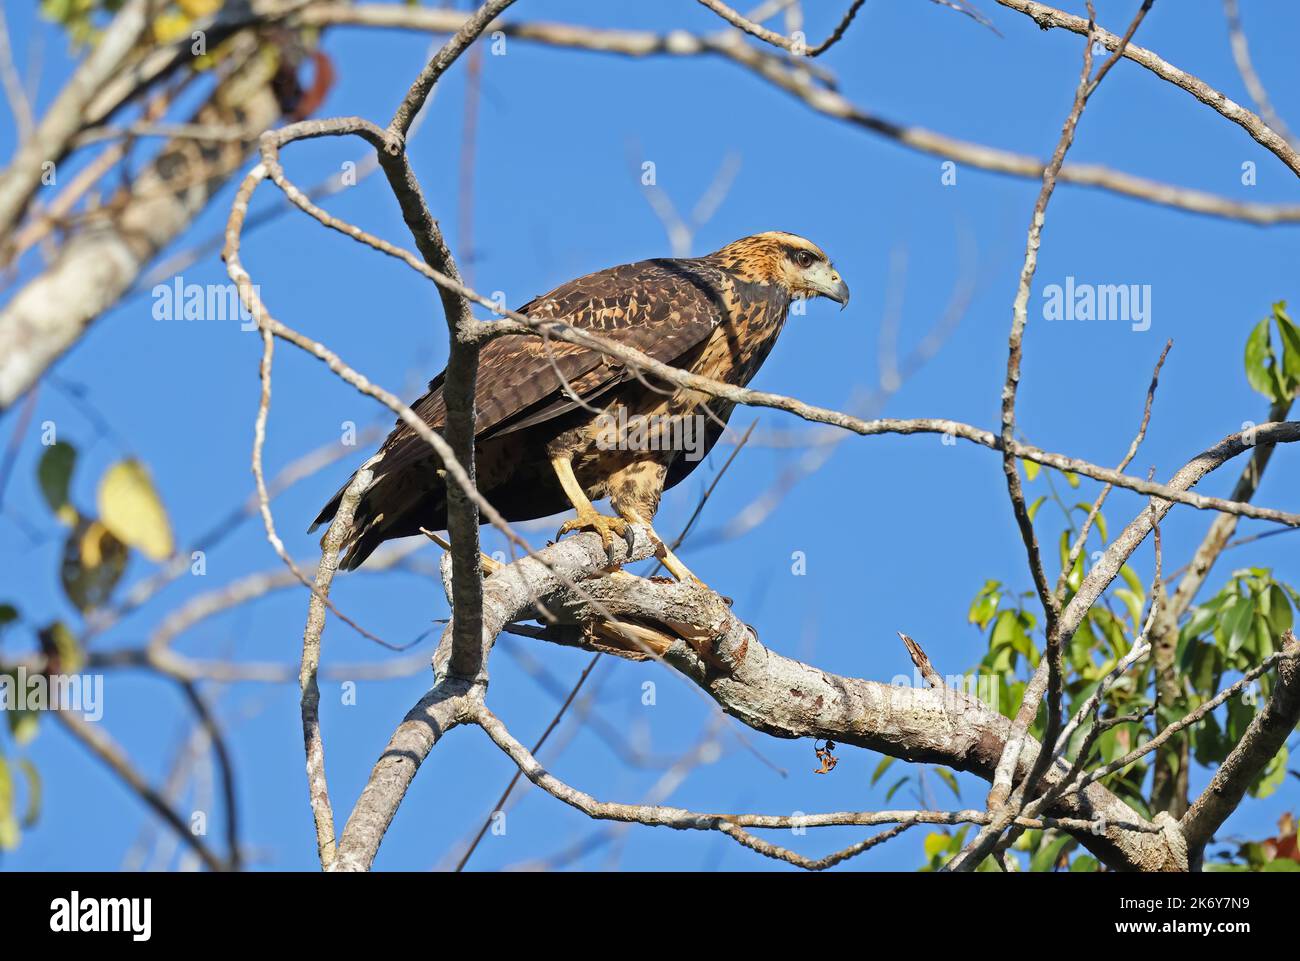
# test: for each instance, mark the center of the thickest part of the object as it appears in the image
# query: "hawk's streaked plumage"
(717, 316)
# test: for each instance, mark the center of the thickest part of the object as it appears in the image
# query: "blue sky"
(898, 532)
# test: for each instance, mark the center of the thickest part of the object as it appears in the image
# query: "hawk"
(559, 425)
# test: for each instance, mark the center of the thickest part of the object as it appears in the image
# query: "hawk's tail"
(389, 507)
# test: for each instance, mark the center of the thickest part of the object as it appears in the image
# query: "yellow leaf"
(937, 843)
(200, 8)
(171, 26)
(129, 507)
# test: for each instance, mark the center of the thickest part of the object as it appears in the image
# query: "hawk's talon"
(602, 524)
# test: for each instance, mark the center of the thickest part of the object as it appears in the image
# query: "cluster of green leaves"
(1225, 635)
(1276, 376)
(942, 846)
(1218, 639)
(1014, 642)
(1231, 633)
(1046, 851)
(129, 518)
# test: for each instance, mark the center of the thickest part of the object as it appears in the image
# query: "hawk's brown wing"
(662, 308)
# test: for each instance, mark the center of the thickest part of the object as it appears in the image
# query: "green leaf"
(1047, 855)
(1134, 605)
(949, 779)
(1281, 864)
(1208, 745)
(8, 615)
(1206, 664)
(1031, 468)
(1280, 618)
(54, 473)
(1236, 628)
(1075, 576)
(1290, 343)
(1009, 631)
(1262, 638)
(1240, 714)
(1100, 523)
(1033, 508)
(985, 604)
(1013, 692)
(1133, 581)
(881, 768)
(33, 792)
(1255, 854)
(1272, 777)
(1084, 863)
(1259, 360)
(1112, 631)
(893, 788)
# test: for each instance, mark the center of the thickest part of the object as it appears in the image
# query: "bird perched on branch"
(561, 425)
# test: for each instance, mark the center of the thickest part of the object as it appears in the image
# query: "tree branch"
(97, 740)
(1048, 17)
(1265, 736)
(799, 82)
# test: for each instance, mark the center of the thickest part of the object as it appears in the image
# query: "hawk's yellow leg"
(670, 560)
(588, 519)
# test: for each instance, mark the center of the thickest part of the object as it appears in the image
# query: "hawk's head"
(794, 262)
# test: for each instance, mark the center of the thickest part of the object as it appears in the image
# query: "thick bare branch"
(1048, 17)
(65, 117)
(97, 266)
(812, 90)
(766, 691)
(1265, 736)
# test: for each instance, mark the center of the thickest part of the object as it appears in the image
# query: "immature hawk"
(557, 424)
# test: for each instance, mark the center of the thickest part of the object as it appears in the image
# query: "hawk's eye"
(804, 258)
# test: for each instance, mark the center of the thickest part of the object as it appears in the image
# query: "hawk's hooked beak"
(838, 292)
(831, 285)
